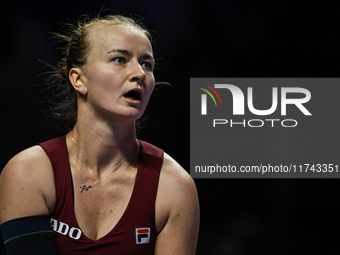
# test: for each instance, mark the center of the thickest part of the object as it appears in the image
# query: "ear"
(77, 80)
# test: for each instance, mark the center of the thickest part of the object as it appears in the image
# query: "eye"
(119, 60)
(147, 66)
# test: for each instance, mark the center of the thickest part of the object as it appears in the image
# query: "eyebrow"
(128, 53)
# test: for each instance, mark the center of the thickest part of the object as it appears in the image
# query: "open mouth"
(134, 95)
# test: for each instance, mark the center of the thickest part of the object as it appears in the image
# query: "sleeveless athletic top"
(135, 232)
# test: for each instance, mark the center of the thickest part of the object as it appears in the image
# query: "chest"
(99, 209)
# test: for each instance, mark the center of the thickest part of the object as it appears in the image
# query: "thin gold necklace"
(83, 185)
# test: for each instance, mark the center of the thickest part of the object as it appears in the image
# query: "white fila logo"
(142, 235)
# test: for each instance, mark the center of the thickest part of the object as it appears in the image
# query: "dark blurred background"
(236, 38)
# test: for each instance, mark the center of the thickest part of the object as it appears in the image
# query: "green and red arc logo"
(209, 93)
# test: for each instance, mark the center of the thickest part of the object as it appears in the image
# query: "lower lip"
(132, 101)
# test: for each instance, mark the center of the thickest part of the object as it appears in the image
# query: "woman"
(100, 189)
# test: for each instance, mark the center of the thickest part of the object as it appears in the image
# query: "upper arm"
(178, 201)
(26, 185)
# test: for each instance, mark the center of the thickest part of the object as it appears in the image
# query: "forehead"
(104, 37)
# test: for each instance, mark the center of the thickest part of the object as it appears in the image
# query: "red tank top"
(135, 232)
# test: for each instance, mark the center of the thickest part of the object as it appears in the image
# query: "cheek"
(149, 89)
(103, 82)
(151, 83)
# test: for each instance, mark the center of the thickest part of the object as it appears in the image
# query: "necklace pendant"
(83, 186)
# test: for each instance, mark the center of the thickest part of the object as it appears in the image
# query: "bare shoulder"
(174, 172)
(27, 166)
(177, 205)
(26, 185)
(176, 183)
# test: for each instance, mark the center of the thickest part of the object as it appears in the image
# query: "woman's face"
(118, 75)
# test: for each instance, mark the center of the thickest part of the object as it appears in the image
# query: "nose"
(137, 73)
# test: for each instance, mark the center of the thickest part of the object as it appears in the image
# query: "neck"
(101, 148)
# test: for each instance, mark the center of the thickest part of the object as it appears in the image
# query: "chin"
(134, 116)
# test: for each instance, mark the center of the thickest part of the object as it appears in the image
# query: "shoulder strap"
(56, 150)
